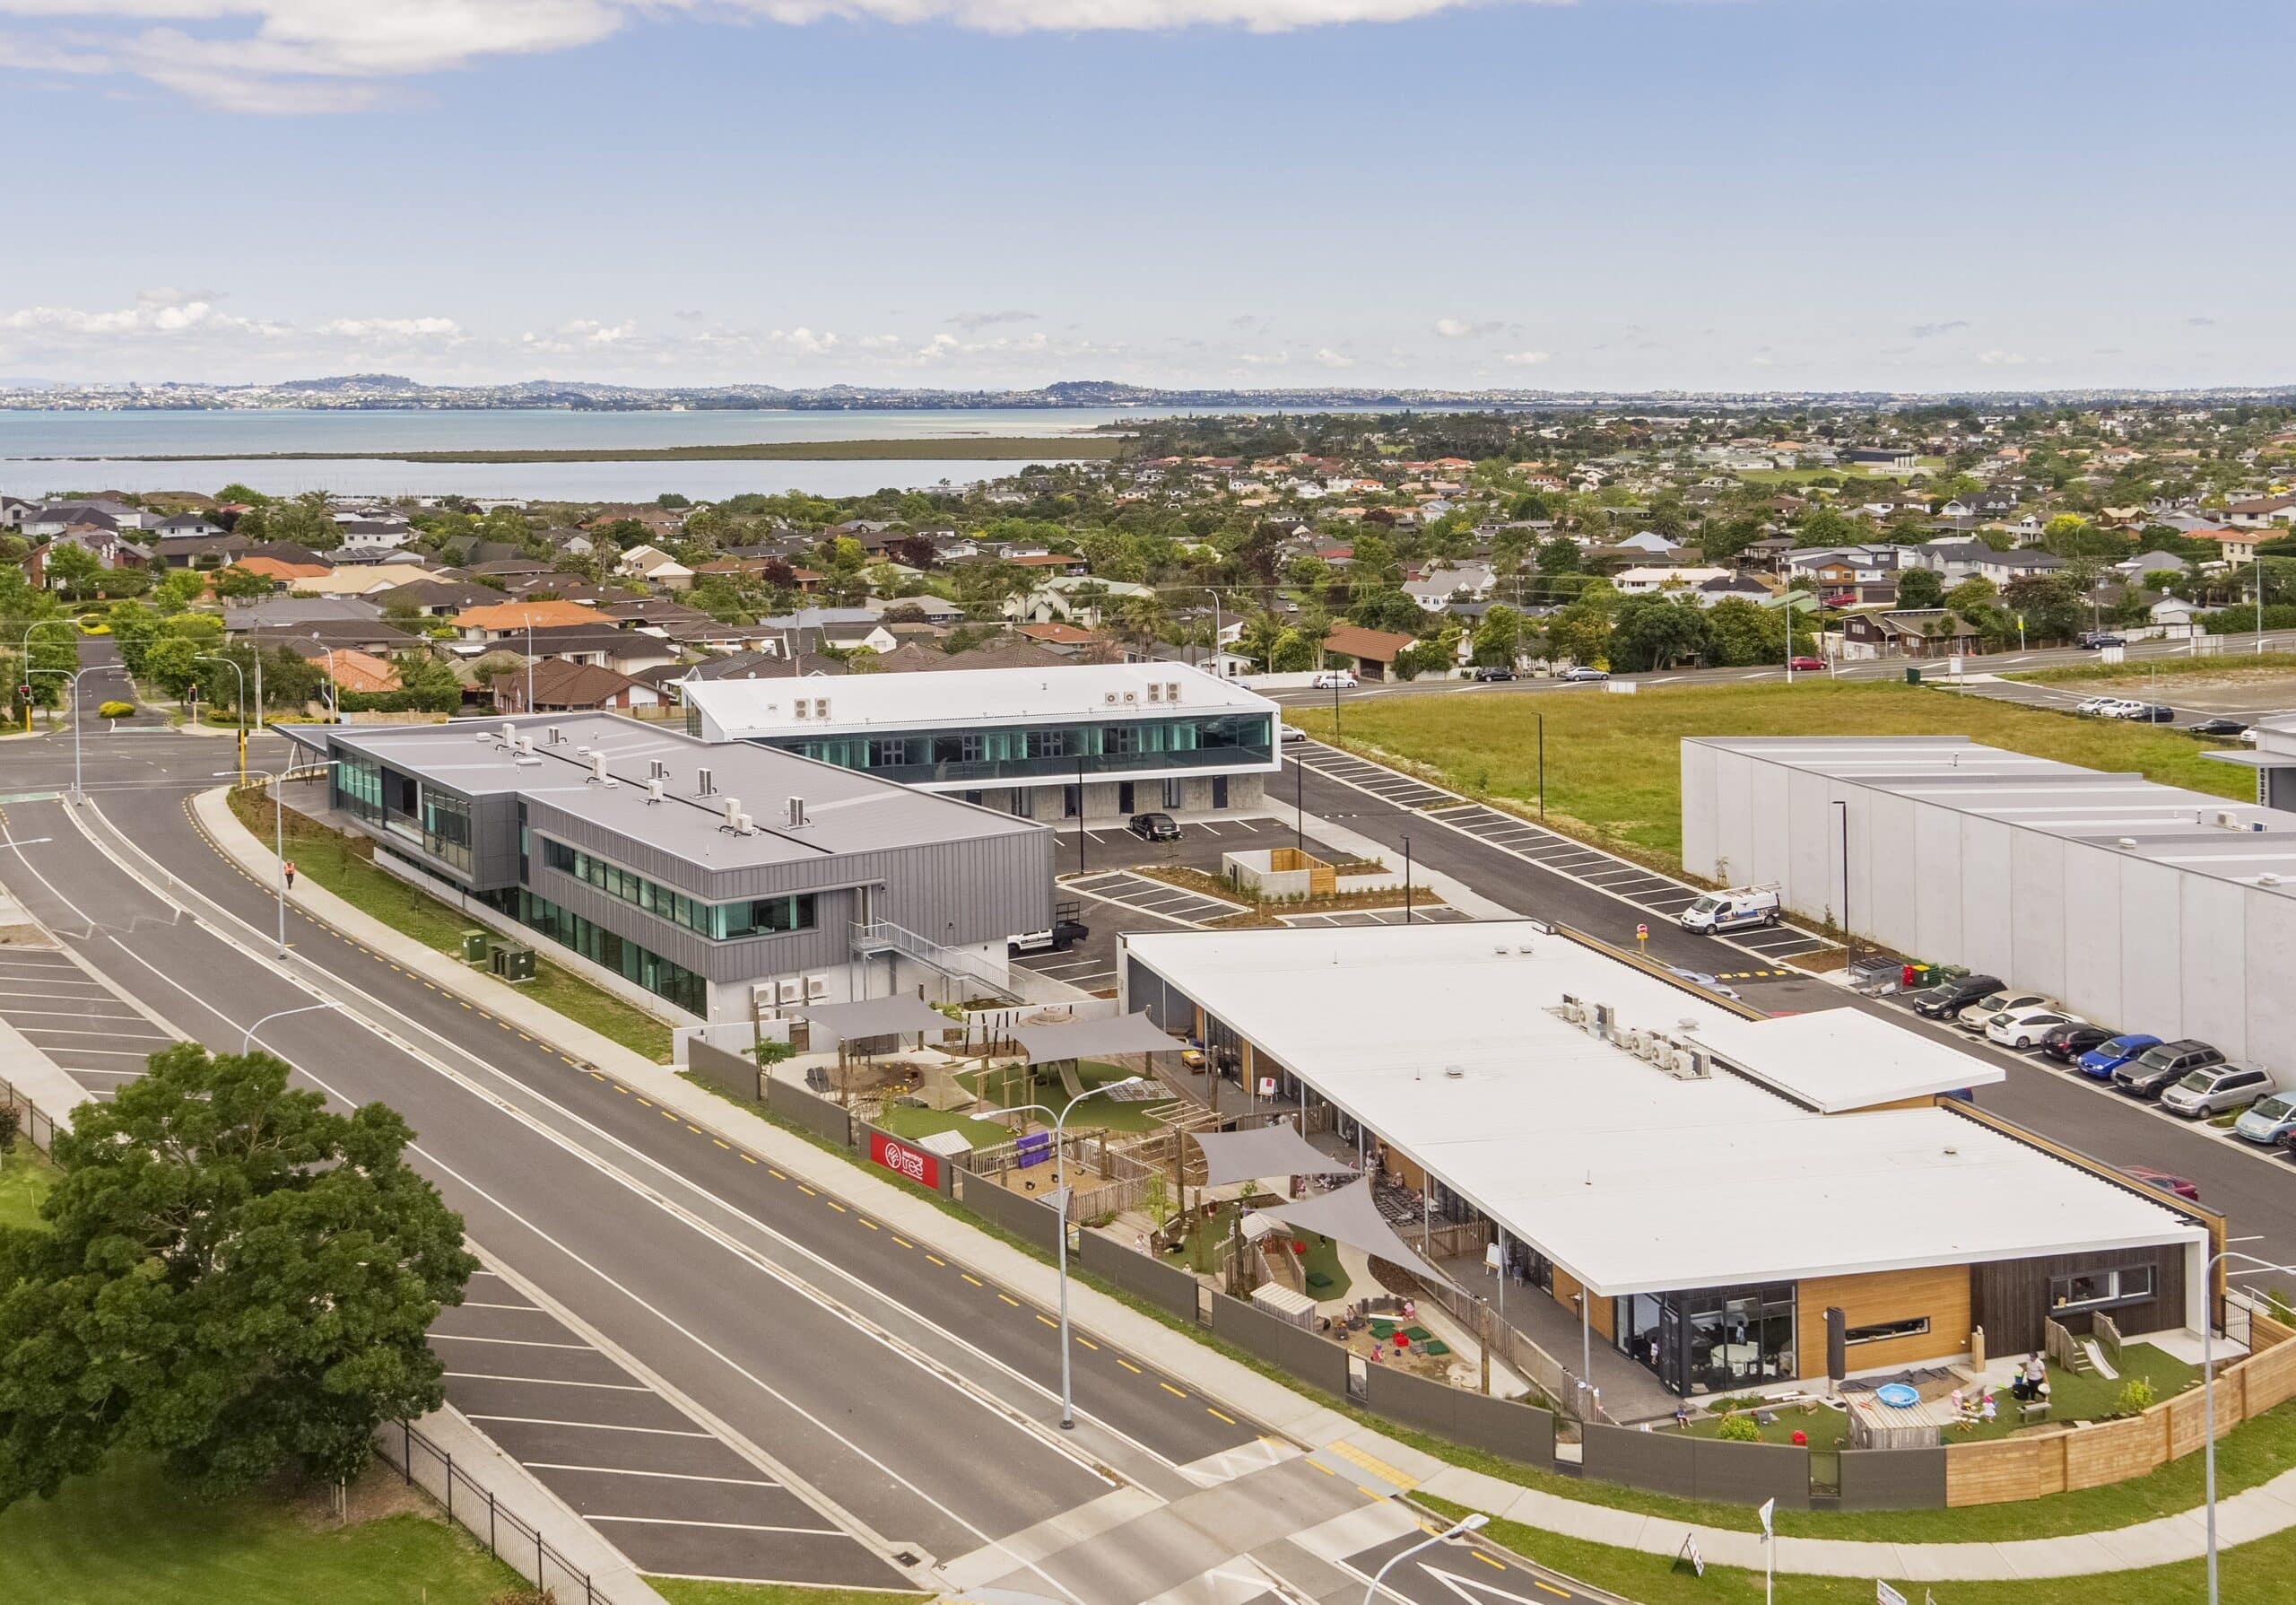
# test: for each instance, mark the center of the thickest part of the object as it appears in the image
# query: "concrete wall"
(2132, 944)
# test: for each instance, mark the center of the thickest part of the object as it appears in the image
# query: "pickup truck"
(1067, 929)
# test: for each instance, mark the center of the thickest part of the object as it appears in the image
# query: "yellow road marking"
(904, 1242)
(936, 1259)
(1559, 1594)
(1047, 1319)
(1087, 1342)
(1168, 1388)
(866, 1221)
(833, 1204)
(1372, 1494)
(746, 1159)
(465, 1005)
(648, 1102)
(1009, 1299)
(1319, 1466)
(975, 1280)
(1128, 1365)
(668, 1116)
(619, 1087)
(722, 1143)
(1222, 1415)
(776, 1174)
(1486, 1559)
(808, 1191)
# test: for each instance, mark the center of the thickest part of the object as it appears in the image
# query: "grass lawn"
(24, 1181)
(345, 865)
(2225, 666)
(1322, 1260)
(1004, 1088)
(695, 1591)
(1613, 764)
(125, 1537)
(2263, 1573)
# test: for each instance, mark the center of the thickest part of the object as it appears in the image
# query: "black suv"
(1154, 827)
(2163, 1066)
(1949, 998)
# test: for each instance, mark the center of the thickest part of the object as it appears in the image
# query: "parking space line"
(659, 1432)
(547, 1382)
(745, 1482)
(721, 1526)
(511, 1342)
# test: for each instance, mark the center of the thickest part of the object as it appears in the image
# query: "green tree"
(1387, 608)
(237, 584)
(1657, 632)
(1581, 631)
(1920, 588)
(1499, 638)
(1741, 631)
(231, 1276)
(73, 571)
(179, 589)
(1292, 653)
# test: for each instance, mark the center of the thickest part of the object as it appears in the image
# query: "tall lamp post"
(279, 840)
(1471, 1523)
(232, 664)
(1406, 878)
(72, 677)
(1060, 1183)
(2208, 1389)
(1542, 719)
(25, 652)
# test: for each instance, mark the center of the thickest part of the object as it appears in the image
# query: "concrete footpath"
(2254, 1513)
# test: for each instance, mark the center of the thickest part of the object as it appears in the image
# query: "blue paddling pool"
(1898, 1396)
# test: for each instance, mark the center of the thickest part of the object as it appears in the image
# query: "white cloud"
(310, 56)
(1459, 328)
(1930, 331)
(391, 328)
(973, 322)
(804, 341)
(2001, 358)
(1334, 359)
(172, 316)
(1528, 358)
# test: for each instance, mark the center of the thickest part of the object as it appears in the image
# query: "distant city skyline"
(1619, 194)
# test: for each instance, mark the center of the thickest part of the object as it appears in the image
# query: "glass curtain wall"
(1712, 1340)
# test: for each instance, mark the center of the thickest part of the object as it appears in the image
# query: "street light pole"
(1060, 1183)
(247, 1039)
(278, 840)
(72, 679)
(1406, 879)
(232, 664)
(1470, 1522)
(26, 654)
(2208, 1389)
(1542, 719)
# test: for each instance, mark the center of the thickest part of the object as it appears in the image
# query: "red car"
(1806, 665)
(2162, 1179)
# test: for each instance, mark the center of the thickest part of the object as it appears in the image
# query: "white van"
(1720, 911)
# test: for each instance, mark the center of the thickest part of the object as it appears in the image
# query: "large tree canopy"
(231, 1276)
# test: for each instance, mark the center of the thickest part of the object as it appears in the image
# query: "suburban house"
(1906, 632)
(561, 686)
(501, 621)
(1371, 652)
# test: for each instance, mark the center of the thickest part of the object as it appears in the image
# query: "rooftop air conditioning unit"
(743, 826)
(1602, 1021)
(2227, 820)
(509, 732)
(557, 736)
(792, 991)
(660, 770)
(816, 988)
(798, 821)
(598, 775)
(732, 812)
(1638, 1042)
(1455, 1072)
(653, 792)
(705, 782)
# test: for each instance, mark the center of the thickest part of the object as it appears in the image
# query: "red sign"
(1642, 933)
(913, 1165)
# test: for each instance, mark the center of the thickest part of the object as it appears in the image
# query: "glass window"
(2089, 1289)
(719, 921)
(1882, 1330)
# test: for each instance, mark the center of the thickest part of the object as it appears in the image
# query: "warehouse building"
(711, 879)
(2141, 907)
(1702, 1191)
(1098, 741)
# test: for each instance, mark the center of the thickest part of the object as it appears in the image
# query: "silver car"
(2216, 1089)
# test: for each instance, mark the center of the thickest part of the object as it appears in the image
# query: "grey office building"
(705, 877)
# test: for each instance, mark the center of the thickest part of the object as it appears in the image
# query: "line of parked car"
(2121, 707)
(2188, 1077)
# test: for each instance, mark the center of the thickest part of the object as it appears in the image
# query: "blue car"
(2102, 1061)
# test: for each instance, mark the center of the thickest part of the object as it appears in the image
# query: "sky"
(1697, 194)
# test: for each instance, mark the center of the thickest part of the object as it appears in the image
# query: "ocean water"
(42, 453)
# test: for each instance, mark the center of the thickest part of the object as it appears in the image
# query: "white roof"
(1841, 1058)
(938, 699)
(1631, 1179)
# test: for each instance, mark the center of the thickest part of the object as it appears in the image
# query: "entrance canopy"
(900, 1015)
(1276, 1150)
(1350, 1216)
(1084, 1039)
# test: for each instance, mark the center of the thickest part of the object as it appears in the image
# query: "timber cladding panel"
(2005, 1470)
(2115, 1451)
(2010, 1298)
(1939, 1292)
(1566, 1286)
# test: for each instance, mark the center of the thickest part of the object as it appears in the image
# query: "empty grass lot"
(127, 1537)
(345, 865)
(24, 1181)
(1613, 764)
(2234, 667)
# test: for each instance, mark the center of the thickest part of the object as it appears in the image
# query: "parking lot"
(76, 1021)
(1384, 783)
(1425, 913)
(655, 1483)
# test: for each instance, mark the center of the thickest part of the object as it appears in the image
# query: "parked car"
(2068, 1041)
(1979, 1015)
(2120, 707)
(2094, 704)
(2216, 1090)
(2093, 638)
(1067, 929)
(1153, 828)
(2162, 1179)
(2154, 713)
(1806, 665)
(2269, 1121)
(2022, 1028)
(1579, 671)
(2102, 1061)
(1720, 911)
(1334, 679)
(1949, 998)
(1294, 733)
(2218, 727)
(2160, 1067)
(1493, 671)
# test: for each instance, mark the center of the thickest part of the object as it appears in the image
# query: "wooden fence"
(2034, 1465)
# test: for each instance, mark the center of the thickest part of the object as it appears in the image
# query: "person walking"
(290, 867)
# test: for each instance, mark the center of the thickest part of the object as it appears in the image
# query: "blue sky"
(1765, 194)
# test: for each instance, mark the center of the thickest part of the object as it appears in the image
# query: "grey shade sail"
(1349, 1216)
(1080, 1039)
(900, 1015)
(1276, 1150)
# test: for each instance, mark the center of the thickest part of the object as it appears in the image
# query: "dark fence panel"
(1660, 1462)
(1749, 1473)
(507, 1535)
(1167, 1286)
(1520, 1431)
(1316, 1361)
(1017, 1213)
(1893, 1479)
(819, 1116)
(729, 1073)
(38, 1130)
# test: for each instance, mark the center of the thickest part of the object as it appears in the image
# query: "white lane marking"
(510, 1342)
(548, 1382)
(745, 1482)
(728, 1526)
(658, 1432)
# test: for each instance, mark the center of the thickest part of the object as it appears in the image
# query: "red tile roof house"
(1372, 651)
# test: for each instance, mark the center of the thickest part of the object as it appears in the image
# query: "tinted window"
(2120, 1044)
(2199, 1081)
(2275, 1108)
(2159, 1058)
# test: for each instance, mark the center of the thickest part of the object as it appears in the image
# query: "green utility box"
(1913, 677)
(474, 947)
(513, 961)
